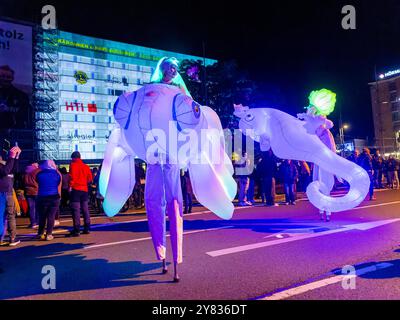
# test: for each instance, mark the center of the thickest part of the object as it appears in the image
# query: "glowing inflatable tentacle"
(357, 178)
(326, 179)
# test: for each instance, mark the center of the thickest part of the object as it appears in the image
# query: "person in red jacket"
(80, 177)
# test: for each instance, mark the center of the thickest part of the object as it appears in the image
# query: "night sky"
(290, 47)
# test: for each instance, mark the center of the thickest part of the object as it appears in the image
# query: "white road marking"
(323, 283)
(149, 238)
(359, 226)
(376, 205)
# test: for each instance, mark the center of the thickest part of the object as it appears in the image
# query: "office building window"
(393, 96)
(392, 86)
(395, 106)
(118, 92)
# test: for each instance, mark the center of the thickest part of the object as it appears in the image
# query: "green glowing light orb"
(323, 101)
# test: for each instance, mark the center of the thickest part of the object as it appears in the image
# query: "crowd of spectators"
(44, 190)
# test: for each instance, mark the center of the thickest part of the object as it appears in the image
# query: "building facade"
(92, 74)
(61, 88)
(385, 100)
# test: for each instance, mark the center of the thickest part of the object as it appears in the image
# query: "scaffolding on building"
(46, 93)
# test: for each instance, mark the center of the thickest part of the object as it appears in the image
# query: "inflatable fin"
(213, 189)
(117, 176)
(112, 143)
(213, 122)
(212, 182)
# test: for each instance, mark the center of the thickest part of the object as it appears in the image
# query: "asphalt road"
(283, 252)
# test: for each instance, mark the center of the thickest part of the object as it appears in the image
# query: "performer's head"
(167, 72)
(169, 68)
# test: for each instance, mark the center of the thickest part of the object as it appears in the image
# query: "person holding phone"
(6, 196)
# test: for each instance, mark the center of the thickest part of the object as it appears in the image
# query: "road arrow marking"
(360, 226)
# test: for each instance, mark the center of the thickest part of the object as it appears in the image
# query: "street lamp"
(341, 135)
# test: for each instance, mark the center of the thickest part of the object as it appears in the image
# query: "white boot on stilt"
(328, 216)
(164, 267)
(176, 276)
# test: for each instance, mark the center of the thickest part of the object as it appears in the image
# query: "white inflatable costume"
(291, 138)
(158, 123)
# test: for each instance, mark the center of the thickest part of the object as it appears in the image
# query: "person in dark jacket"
(365, 162)
(267, 170)
(99, 197)
(377, 164)
(289, 174)
(304, 175)
(393, 167)
(243, 169)
(6, 196)
(354, 156)
(64, 187)
(48, 179)
(187, 192)
(81, 177)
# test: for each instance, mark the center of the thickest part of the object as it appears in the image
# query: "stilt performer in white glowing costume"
(154, 124)
(291, 138)
(322, 103)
